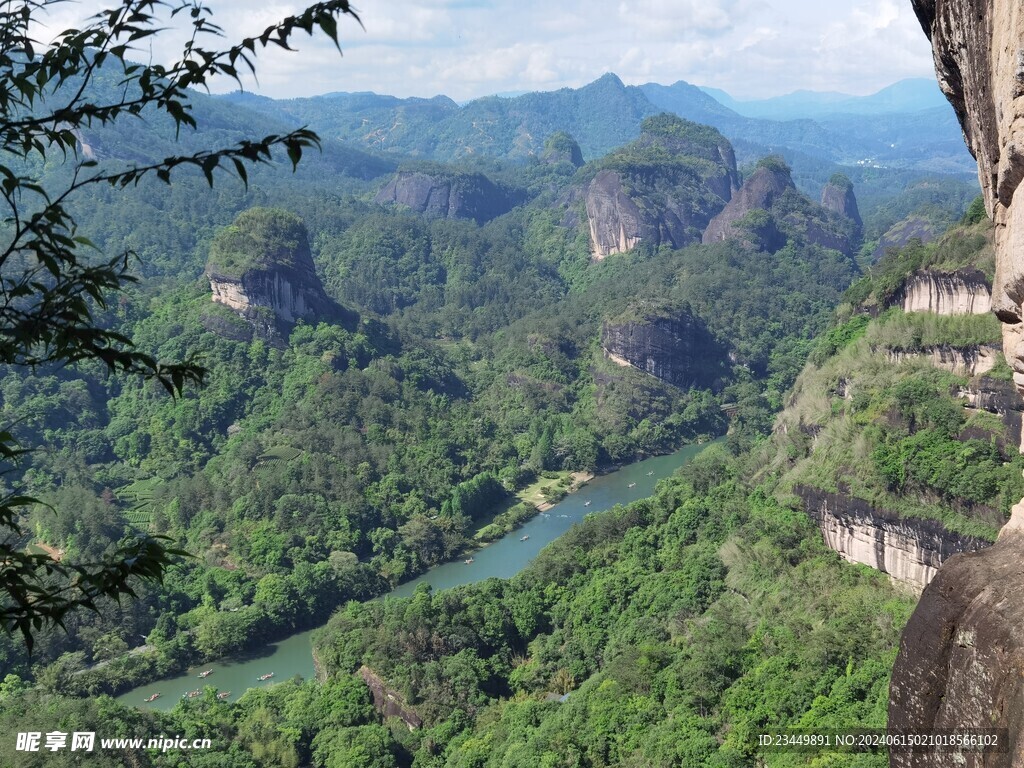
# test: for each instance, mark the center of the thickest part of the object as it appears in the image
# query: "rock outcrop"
(909, 550)
(387, 700)
(963, 361)
(913, 227)
(670, 344)
(838, 196)
(759, 192)
(616, 222)
(963, 292)
(261, 268)
(560, 147)
(768, 210)
(961, 658)
(997, 397)
(661, 189)
(447, 194)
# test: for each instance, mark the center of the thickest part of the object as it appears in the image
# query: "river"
(502, 558)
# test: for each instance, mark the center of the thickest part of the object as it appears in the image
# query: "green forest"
(437, 365)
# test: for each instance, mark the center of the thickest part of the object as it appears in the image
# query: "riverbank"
(524, 506)
(579, 479)
(503, 558)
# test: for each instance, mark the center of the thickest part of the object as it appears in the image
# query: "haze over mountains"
(911, 95)
(903, 126)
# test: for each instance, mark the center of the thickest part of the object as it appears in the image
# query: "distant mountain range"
(906, 126)
(912, 95)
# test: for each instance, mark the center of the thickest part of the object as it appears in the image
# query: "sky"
(470, 48)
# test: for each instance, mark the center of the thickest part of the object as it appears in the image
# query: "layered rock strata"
(909, 550)
(673, 346)
(963, 361)
(963, 292)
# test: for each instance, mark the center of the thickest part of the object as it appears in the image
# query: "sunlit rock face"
(961, 658)
(261, 268)
(909, 550)
(672, 345)
(969, 361)
(661, 189)
(963, 292)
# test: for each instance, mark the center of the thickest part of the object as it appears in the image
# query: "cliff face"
(838, 196)
(617, 224)
(676, 348)
(388, 701)
(760, 191)
(961, 659)
(910, 551)
(963, 361)
(447, 195)
(661, 189)
(963, 292)
(768, 209)
(999, 398)
(261, 267)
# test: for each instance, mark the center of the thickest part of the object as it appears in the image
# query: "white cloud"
(467, 48)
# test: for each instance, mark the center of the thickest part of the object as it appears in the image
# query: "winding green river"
(503, 558)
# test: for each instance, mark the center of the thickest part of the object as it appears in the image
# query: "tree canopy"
(53, 282)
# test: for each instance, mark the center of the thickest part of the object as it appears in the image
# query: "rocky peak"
(661, 189)
(446, 193)
(261, 267)
(838, 196)
(759, 192)
(768, 210)
(670, 343)
(560, 147)
(680, 137)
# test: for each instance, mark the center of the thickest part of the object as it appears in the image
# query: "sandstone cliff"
(661, 189)
(963, 361)
(838, 196)
(961, 659)
(670, 344)
(997, 397)
(768, 209)
(759, 192)
(909, 550)
(963, 292)
(261, 268)
(446, 194)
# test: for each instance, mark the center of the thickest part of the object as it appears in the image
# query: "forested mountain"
(672, 631)
(606, 113)
(396, 345)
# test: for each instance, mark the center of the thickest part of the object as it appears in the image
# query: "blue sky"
(469, 48)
